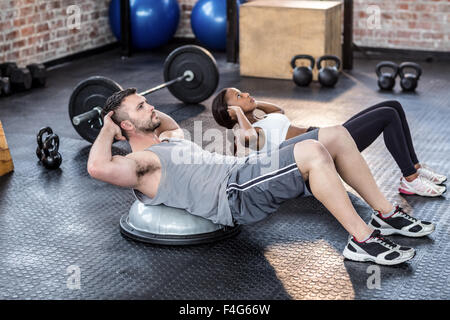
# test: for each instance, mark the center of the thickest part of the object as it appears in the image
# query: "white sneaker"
(429, 174)
(377, 249)
(420, 186)
(401, 223)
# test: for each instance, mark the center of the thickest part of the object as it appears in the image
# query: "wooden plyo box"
(271, 32)
(6, 164)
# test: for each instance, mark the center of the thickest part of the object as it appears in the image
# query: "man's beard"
(148, 126)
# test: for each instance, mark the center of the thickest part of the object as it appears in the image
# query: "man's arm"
(169, 128)
(117, 170)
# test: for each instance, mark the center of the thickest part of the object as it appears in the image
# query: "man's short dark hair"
(114, 102)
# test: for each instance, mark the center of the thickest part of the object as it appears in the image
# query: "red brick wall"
(41, 30)
(403, 24)
(38, 30)
(184, 28)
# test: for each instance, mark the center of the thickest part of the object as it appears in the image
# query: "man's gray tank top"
(192, 179)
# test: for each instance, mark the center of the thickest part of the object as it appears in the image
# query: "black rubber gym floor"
(51, 220)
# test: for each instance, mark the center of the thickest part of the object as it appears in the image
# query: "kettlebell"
(386, 80)
(328, 76)
(40, 140)
(51, 157)
(302, 75)
(409, 81)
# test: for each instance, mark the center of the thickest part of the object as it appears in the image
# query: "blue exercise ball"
(209, 23)
(153, 23)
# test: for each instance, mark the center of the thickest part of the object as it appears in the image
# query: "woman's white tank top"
(275, 127)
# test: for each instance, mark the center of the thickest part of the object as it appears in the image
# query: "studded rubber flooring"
(60, 226)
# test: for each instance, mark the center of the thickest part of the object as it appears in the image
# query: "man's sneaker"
(429, 174)
(420, 186)
(400, 223)
(377, 249)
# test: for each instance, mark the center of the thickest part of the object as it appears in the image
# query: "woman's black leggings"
(387, 117)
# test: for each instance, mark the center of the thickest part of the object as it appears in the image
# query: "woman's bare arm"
(246, 133)
(268, 107)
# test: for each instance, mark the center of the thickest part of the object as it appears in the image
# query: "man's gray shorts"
(258, 187)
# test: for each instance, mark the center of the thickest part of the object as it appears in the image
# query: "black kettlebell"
(386, 80)
(52, 158)
(328, 76)
(40, 141)
(302, 75)
(409, 81)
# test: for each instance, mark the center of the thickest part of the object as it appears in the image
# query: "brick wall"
(41, 30)
(403, 24)
(184, 28)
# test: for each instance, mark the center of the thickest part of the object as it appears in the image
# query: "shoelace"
(427, 173)
(424, 166)
(403, 214)
(386, 242)
(427, 184)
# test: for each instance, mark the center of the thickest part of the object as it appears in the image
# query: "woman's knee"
(397, 106)
(388, 114)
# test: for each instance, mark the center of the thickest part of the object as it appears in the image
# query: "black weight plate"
(206, 75)
(88, 94)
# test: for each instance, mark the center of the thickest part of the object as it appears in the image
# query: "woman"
(236, 110)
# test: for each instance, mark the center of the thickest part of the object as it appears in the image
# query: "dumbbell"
(38, 73)
(5, 86)
(20, 78)
(6, 68)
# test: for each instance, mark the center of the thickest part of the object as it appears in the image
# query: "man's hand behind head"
(111, 127)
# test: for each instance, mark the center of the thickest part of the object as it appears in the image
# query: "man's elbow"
(95, 171)
(179, 133)
(176, 133)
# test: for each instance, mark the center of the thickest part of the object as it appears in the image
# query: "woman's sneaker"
(429, 174)
(377, 249)
(421, 186)
(400, 223)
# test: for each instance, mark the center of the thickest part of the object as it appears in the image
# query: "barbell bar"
(97, 111)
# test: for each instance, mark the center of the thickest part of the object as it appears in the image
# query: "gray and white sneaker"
(377, 249)
(401, 223)
(431, 175)
(421, 186)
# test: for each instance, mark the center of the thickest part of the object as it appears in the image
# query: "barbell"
(190, 74)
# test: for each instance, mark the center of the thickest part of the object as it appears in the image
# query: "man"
(164, 168)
